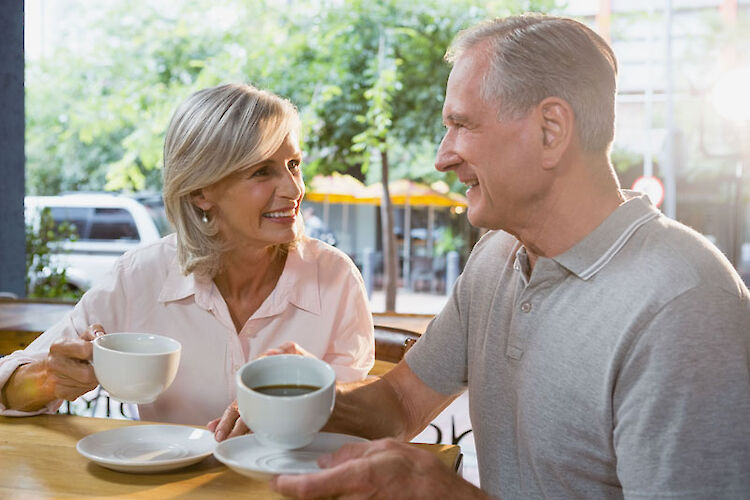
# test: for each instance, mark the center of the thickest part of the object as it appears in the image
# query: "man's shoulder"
(683, 258)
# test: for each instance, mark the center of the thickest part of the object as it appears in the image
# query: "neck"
(580, 198)
(248, 271)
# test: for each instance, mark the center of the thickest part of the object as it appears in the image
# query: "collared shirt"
(618, 368)
(319, 302)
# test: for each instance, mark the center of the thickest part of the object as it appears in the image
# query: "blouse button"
(526, 307)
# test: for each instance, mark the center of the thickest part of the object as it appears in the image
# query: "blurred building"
(671, 54)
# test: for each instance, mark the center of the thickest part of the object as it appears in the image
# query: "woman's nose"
(292, 186)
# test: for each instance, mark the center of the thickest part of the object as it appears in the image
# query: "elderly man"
(604, 346)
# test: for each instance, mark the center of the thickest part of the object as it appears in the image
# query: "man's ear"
(557, 121)
(198, 198)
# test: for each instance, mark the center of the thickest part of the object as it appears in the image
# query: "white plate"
(245, 454)
(147, 448)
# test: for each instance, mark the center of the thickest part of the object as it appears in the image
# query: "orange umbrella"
(335, 188)
(407, 192)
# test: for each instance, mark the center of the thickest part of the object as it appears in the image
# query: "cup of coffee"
(285, 399)
(135, 367)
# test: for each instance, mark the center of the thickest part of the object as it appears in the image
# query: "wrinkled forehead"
(463, 91)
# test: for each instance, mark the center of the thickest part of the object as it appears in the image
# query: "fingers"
(239, 429)
(68, 378)
(288, 348)
(93, 331)
(348, 477)
(345, 453)
(75, 349)
(229, 425)
(213, 424)
(271, 352)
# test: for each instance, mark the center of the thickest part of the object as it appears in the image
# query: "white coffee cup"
(285, 421)
(135, 367)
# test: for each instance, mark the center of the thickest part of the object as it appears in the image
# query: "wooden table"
(38, 459)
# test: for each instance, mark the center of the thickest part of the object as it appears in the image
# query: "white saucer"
(245, 455)
(147, 448)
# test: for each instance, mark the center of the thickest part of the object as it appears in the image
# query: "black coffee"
(285, 389)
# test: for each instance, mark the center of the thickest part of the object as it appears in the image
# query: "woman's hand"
(287, 348)
(229, 424)
(69, 371)
(65, 373)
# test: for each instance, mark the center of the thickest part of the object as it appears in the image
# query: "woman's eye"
(260, 172)
(293, 165)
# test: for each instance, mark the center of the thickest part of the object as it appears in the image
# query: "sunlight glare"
(731, 95)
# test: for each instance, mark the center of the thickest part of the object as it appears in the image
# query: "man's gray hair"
(214, 133)
(533, 57)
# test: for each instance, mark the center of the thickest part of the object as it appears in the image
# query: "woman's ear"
(198, 198)
(558, 125)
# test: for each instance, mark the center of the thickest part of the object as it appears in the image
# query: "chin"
(479, 220)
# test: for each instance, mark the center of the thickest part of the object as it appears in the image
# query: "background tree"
(368, 77)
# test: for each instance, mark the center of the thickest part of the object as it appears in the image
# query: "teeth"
(471, 184)
(275, 215)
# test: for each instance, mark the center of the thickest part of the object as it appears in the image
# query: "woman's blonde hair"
(214, 133)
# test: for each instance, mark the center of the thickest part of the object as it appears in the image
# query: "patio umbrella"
(409, 193)
(335, 188)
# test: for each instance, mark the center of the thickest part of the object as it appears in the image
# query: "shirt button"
(526, 307)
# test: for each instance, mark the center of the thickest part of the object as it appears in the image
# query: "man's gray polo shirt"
(617, 368)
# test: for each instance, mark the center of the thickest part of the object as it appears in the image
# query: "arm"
(397, 405)
(681, 403)
(55, 366)
(65, 373)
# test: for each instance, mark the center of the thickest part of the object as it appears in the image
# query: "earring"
(204, 217)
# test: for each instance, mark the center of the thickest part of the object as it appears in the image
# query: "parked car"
(107, 225)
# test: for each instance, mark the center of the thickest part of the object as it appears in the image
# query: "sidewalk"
(409, 302)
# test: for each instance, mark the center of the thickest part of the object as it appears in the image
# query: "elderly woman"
(237, 279)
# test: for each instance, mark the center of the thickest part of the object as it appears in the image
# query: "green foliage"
(449, 242)
(99, 103)
(43, 239)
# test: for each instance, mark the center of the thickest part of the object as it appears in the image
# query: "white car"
(107, 225)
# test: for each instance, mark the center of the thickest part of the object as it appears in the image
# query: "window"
(75, 216)
(113, 224)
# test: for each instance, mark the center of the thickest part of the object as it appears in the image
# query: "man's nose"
(446, 158)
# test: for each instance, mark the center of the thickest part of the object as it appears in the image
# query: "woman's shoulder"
(328, 259)
(156, 256)
(314, 250)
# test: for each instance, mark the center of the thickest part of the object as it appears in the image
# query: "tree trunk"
(390, 259)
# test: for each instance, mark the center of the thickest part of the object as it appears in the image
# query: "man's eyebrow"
(456, 118)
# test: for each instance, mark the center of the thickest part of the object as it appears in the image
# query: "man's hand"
(379, 469)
